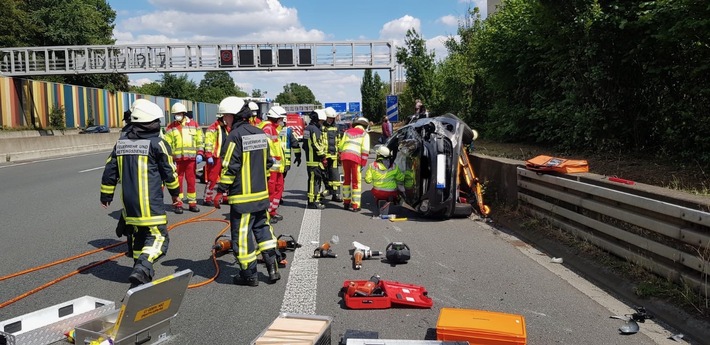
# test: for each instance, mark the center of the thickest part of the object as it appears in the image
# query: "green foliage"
(420, 67)
(177, 86)
(294, 93)
(215, 86)
(13, 24)
(57, 118)
(257, 93)
(627, 75)
(147, 89)
(370, 92)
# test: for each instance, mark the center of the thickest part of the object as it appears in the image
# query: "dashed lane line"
(300, 295)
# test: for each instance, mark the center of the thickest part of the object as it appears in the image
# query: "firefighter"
(291, 147)
(274, 119)
(245, 167)
(332, 171)
(186, 140)
(315, 146)
(215, 135)
(255, 118)
(354, 150)
(142, 162)
(385, 177)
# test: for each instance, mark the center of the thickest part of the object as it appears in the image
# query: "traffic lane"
(210, 309)
(462, 264)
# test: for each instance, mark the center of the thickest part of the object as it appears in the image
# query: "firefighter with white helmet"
(274, 119)
(354, 151)
(142, 162)
(385, 177)
(245, 167)
(332, 136)
(255, 118)
(315, 147)
(186, 140)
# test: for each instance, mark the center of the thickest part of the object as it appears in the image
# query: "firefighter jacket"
(332, 137)
(383, 178)
(290, 145)
(275, 149)
(185, 139)
(315, 145)
(215, 135)
(142, 163)
(355, 145)
(245, 165)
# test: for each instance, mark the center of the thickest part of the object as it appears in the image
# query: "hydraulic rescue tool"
(361, 252)
(222, 245)
(370, 288)
(284, 243)
(397, 253)
(325, 251)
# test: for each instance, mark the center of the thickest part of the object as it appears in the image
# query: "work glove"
(218, 199)
(210, 161)
(121, 227)
(199, 159)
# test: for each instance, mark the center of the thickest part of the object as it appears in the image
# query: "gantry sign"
(152, 58)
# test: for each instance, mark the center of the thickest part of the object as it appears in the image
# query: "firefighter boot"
(272, 265)
(141, 274)
(246, 277)
(193, 207)
(178, 207)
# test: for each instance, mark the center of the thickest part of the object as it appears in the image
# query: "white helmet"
(330, 112)
(321, 114)
(361, 121)
(383, 151)
(253, 106)
(145, 111)
(230, 105)
(276, 112)
(178, 108)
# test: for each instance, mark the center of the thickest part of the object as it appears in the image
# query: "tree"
(215, 86)
(14, 24)
(180, 87)
(419, 65)
(147, 89)
(296, 94)
(59, 23)
(257, 93)
(368, 93)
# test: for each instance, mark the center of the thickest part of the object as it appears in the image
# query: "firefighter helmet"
(362, 121)
(276, 112)
(178, 108)
(231, 105)
(330, 113)
(383, 151)
(145, 111)
(321, 114)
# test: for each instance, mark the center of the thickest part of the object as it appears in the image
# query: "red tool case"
(394, 294)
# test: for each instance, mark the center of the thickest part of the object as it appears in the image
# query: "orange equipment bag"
(546, 163)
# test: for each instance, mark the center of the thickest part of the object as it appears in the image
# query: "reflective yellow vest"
(383, 178)
(185, 139)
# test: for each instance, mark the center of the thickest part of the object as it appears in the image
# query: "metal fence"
(669, 237)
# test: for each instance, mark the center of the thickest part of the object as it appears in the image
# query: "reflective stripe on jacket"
(185, 139)
(383, 178)
(332, 136)
(275, 149)
(141, 165)
(314, 145)
(355, 145)
(214, 139)
(245, 167)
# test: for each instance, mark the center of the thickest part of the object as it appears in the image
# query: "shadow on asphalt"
(205, 268)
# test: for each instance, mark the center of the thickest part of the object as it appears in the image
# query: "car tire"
(462, 210)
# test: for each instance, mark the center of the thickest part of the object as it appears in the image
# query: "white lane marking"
(50, 159)
(302, 285)
(92, 169)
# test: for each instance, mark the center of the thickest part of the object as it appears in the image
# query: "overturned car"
(439, 180)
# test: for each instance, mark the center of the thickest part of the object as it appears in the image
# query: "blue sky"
(233, 21)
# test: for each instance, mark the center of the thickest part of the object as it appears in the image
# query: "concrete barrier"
(31, 147)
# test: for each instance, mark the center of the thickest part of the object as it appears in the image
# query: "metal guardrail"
(669, 239)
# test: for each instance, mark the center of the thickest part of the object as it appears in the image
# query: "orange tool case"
(393, 294)
(481, 327)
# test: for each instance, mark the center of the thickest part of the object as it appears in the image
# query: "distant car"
(95, 129)
(427, 152)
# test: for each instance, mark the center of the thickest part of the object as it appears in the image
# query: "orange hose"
(200, 218)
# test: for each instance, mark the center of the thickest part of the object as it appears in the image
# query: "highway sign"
(392, 108)
(354, 107)
(340, 107)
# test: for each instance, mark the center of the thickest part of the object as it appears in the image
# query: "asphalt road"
(50, 211)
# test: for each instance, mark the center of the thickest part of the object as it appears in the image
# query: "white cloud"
(437, 45)
(481, 4)
(449, 20)
(396, 29)
(140, 82)
(327, 86)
